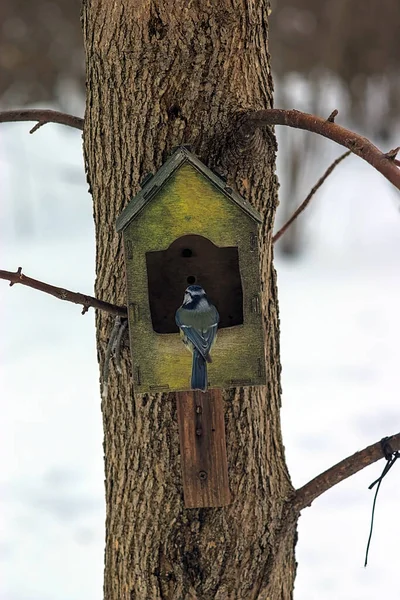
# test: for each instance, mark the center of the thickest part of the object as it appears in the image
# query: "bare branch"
(305, 203)
(63, 294)
(42, 116)
(342, 470)
(250, 122)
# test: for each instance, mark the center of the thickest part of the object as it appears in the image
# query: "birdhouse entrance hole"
(193, 259)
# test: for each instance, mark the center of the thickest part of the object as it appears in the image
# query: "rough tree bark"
(162, 73)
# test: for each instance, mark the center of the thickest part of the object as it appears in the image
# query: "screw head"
(202, 475)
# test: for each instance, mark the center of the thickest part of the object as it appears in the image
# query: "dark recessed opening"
(169, 272)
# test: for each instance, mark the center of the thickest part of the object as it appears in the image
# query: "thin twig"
(37, 126)
(333, 116)
(305, 203)
(391, 155)
(63, 294)
(42, 116)
(249, 122)
(342, 470)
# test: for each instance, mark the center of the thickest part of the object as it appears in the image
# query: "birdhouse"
(186, 226)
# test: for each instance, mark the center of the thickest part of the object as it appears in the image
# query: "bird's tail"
(199, 372)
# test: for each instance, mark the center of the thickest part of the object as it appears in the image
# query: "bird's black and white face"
(193, 295)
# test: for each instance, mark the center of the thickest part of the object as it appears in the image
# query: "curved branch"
(42, 117)
(63, 294)
(385, 163)
(349, 466)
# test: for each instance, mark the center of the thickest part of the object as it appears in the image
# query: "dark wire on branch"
(341, 471)
(391, 458)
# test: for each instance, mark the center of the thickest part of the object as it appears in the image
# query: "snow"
(340, 354)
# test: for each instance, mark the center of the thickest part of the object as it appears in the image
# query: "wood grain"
(203, 448)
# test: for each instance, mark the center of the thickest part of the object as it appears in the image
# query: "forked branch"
(342, 470)
(42, 117)
(385, 163)
(63, 294)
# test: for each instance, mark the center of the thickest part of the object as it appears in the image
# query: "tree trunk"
(160, 74)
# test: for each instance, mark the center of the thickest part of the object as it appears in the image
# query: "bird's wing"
(211, 333)
(202, 339)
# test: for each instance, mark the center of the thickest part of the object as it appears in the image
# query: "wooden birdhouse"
(186, 226)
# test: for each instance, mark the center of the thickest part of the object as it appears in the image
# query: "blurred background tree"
(325, 54)
(357, 43)
(41, 52)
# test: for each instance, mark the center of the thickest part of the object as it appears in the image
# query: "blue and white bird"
(198, 321)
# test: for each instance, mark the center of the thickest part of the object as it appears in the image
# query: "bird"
(198, 321)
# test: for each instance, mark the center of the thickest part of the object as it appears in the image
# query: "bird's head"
(193, 295)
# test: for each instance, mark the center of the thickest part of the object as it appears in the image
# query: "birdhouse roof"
(155, 183)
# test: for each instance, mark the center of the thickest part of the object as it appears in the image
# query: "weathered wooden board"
(203, 448)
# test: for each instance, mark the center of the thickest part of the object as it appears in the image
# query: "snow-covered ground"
(340, 354)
